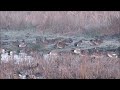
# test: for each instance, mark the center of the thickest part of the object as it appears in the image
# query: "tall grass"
(70, 67)
(58, 21)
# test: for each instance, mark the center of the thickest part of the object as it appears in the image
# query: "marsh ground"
(54, 25)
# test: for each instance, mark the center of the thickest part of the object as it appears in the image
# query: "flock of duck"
(57, 45)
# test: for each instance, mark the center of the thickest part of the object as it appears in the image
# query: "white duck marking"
(112, 55)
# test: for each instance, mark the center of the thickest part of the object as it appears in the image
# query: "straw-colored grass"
(60, 21)
(70, 67)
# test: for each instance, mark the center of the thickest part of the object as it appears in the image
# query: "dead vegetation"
(61, 21)
(65, 67)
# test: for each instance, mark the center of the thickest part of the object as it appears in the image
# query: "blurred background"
(67, 22)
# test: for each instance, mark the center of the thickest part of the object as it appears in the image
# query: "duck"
(76, 44)
(60, 45)
(112, 55)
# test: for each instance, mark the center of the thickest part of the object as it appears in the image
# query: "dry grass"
(70, 67)
(66, 66)
(59, 21)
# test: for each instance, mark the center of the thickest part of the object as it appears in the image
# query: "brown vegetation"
(65, 67)
(62, 21)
